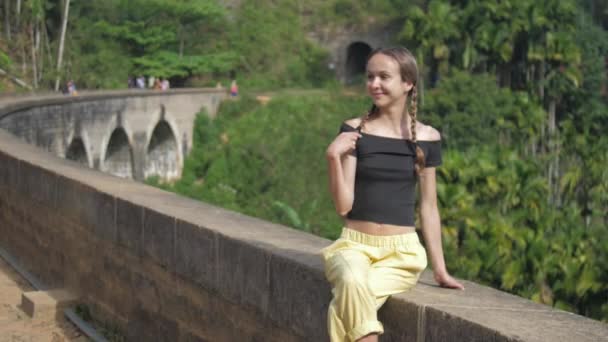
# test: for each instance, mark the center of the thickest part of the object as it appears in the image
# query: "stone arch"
(162, 153)
(356, 58)
(166, 118)
(79, 149)
(118, 157)
(77, 152)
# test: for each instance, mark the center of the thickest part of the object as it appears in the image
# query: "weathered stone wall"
(165, 268)
(159, 266)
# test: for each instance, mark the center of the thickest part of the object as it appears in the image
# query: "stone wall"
(159, 266)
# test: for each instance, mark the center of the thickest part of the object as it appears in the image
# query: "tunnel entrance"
(77, 152)
(162, 153)
(355, 61)
(119, 156)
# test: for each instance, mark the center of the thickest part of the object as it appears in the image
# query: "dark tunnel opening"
(356, 60)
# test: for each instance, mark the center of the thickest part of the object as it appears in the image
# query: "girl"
(374, 164)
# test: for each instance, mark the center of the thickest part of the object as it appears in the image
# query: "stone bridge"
(130, 134)
(155, 266)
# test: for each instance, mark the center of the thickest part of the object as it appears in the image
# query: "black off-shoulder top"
(385, 180)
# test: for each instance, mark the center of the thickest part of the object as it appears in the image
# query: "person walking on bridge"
(374, 164)
(234, 89)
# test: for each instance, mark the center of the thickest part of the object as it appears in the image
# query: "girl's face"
(384, 83)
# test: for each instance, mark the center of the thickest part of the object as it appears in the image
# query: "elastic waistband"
(379, 240)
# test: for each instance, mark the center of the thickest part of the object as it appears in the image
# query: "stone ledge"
(44, 305)
(488, 311)
(284, 281)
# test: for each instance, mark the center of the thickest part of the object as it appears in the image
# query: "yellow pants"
(364, 270)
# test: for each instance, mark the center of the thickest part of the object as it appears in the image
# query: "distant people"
(151, 81)
(234, 89)
(71, 87)
(157, 85)
(218, 85)
(131, 82)
(140, 82)
(164, 84)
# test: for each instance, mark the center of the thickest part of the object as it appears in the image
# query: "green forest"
(517, 88)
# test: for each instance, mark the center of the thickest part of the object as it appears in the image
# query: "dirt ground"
(16, 326)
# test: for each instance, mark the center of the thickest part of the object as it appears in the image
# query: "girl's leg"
(352, 313)
(369, 338)
(392, 263)
(398, 272)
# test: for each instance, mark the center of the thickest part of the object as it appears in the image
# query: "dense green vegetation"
(261, 43)
(517, 88)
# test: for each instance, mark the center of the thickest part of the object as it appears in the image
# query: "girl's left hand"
(446, 280)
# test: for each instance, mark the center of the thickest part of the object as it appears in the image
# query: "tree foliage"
(271, 44)
(158, 38)
(471, 110)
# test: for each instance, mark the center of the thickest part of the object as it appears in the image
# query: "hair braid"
(413, 112)
(368, 116)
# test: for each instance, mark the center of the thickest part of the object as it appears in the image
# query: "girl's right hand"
(344, 143)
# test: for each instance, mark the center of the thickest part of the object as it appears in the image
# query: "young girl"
(374, 164)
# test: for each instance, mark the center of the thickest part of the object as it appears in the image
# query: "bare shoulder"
(354, 122)
(427, 132)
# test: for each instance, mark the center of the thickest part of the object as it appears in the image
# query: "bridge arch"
(77, 152)
(356, 59)
(117, 152)
(79, 149)
(163, 155)
(162, 152)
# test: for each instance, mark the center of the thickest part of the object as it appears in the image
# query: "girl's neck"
(395, 118)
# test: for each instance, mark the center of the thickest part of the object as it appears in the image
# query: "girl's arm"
(431, 228)
(341, 166)
(342, 181)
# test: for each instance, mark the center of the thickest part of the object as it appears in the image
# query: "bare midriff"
(374, 228)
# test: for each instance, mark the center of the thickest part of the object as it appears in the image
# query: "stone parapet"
(16, 104)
